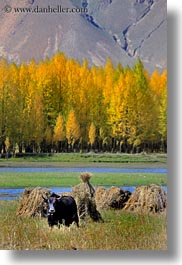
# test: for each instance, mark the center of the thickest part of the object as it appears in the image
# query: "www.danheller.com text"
(48, 9)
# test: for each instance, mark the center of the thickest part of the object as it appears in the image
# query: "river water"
(15, 194)
(85, 169)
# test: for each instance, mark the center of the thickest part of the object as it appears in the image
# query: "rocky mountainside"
(121, 29)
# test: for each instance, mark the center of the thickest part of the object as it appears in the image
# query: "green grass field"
(120, 231)
(87, 158)
(18, 180)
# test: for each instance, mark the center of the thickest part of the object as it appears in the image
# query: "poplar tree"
(72, 129)
(92, 134)
(59, 132)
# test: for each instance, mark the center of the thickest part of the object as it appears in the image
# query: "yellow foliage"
(72, 128)
(92, 133)
(127, 104)
(59, 132)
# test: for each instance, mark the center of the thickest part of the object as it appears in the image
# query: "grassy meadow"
(56, 179)
(120, 231)
(49, 179)
(89, 157)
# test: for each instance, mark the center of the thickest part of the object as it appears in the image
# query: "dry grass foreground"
(120, 231)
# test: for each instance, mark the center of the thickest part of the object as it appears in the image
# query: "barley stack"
(151, 198)
(32, 202)
(111, 198)
(84, 194)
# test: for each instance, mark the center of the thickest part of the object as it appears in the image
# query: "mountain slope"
(120, 29)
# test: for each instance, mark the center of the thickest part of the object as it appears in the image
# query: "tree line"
(61, 105)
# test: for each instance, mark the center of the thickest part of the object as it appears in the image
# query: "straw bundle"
(84, 194)
(32, 202)
(111, 198)
(151, 198)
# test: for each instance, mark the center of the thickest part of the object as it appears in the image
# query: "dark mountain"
(121, 29)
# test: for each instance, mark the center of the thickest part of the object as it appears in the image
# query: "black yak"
(61, 210)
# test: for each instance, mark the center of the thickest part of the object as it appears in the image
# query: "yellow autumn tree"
(92, 134)
(109, 78)
(163, 111)
(7, 144)
(48, 139)
(59, 131)
(72, 129)
(4, 76)
(37, 118)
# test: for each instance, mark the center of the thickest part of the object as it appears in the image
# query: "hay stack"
(111, 198)
(32, 202)
(147, 199)
(84, 194)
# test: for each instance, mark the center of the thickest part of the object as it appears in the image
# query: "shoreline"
(37, 164)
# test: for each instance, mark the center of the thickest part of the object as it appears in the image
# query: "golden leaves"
(61, 100)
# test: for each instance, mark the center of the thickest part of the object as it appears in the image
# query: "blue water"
(15, 194)
(89, 169)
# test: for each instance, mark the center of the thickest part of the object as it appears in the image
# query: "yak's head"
(51, 208)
